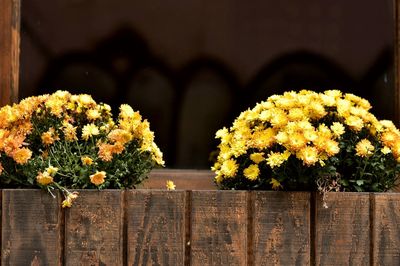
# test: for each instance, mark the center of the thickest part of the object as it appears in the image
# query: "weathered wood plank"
(219, 221)
(156, 227)
(31, 228)
(182, 178)
(281, 228)
(342, 230)
(10, 12)
(94, 229)
(386, 228)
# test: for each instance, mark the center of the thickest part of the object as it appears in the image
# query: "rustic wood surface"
(94, 229)
(219, 228)
(31, 228)
(342, 230)
(183, 179)
(10, 12)
(281, 228)
(386, 229)
(156, 227)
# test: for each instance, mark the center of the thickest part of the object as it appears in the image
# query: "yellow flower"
(262, 139)
(92, 114)
(69, 132)
(157, 155)
(229, 168)
(331, 147)
(71, 197)
(386, 150)
(354, 123)
(275, 184)
(55, 105)
(21, 156)
(275, 159)
(251, 172)
(296, 114)
(98, 178)
(257, 157)
(89, 130)
(86, 160)
(218, 178)
(282, 137)
(44, 178)
(170, 185)
(364, 148)
(309, 155)
(85, 100)
(297, 141)
(317, 110)
(51, 170)
(337, 129)
(279, 119)
(126, 111)
(120, 136)
(310, 135)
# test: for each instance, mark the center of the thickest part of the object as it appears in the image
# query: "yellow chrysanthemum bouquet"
(63, 141)
(309, 141)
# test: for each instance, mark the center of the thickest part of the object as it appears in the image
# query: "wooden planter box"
(158, 227)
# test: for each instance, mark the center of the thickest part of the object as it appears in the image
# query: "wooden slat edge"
(9, 50)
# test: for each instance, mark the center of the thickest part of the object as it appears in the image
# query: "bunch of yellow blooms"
(309, 141)
(64, 141)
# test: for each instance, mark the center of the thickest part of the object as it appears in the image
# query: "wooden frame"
(142, 227)
(10, 13)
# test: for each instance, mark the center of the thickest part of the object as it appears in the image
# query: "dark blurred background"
(191, 66)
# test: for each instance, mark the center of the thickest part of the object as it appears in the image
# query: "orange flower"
(21, 156)
(86, 160)
(105, 152)
(71, 197)
(98, 178)
(49, 137)
(44, 178)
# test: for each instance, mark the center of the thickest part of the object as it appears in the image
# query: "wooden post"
(94, 229)
(281, 228)
(342, 229)
(10, 12)
(386, 229)
(31, 228)
(219, 222)
(156, 227)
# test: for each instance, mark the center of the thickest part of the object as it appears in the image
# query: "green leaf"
(360, 182)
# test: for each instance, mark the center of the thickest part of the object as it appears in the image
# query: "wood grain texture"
(10, 13)
(182, 178)
(156, 227)
(31, 228)
(386, 229)
(342, 230)
(94, 229)
(281, 228)
(219, 221)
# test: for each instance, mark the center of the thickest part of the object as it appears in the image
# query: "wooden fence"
(158, 227)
